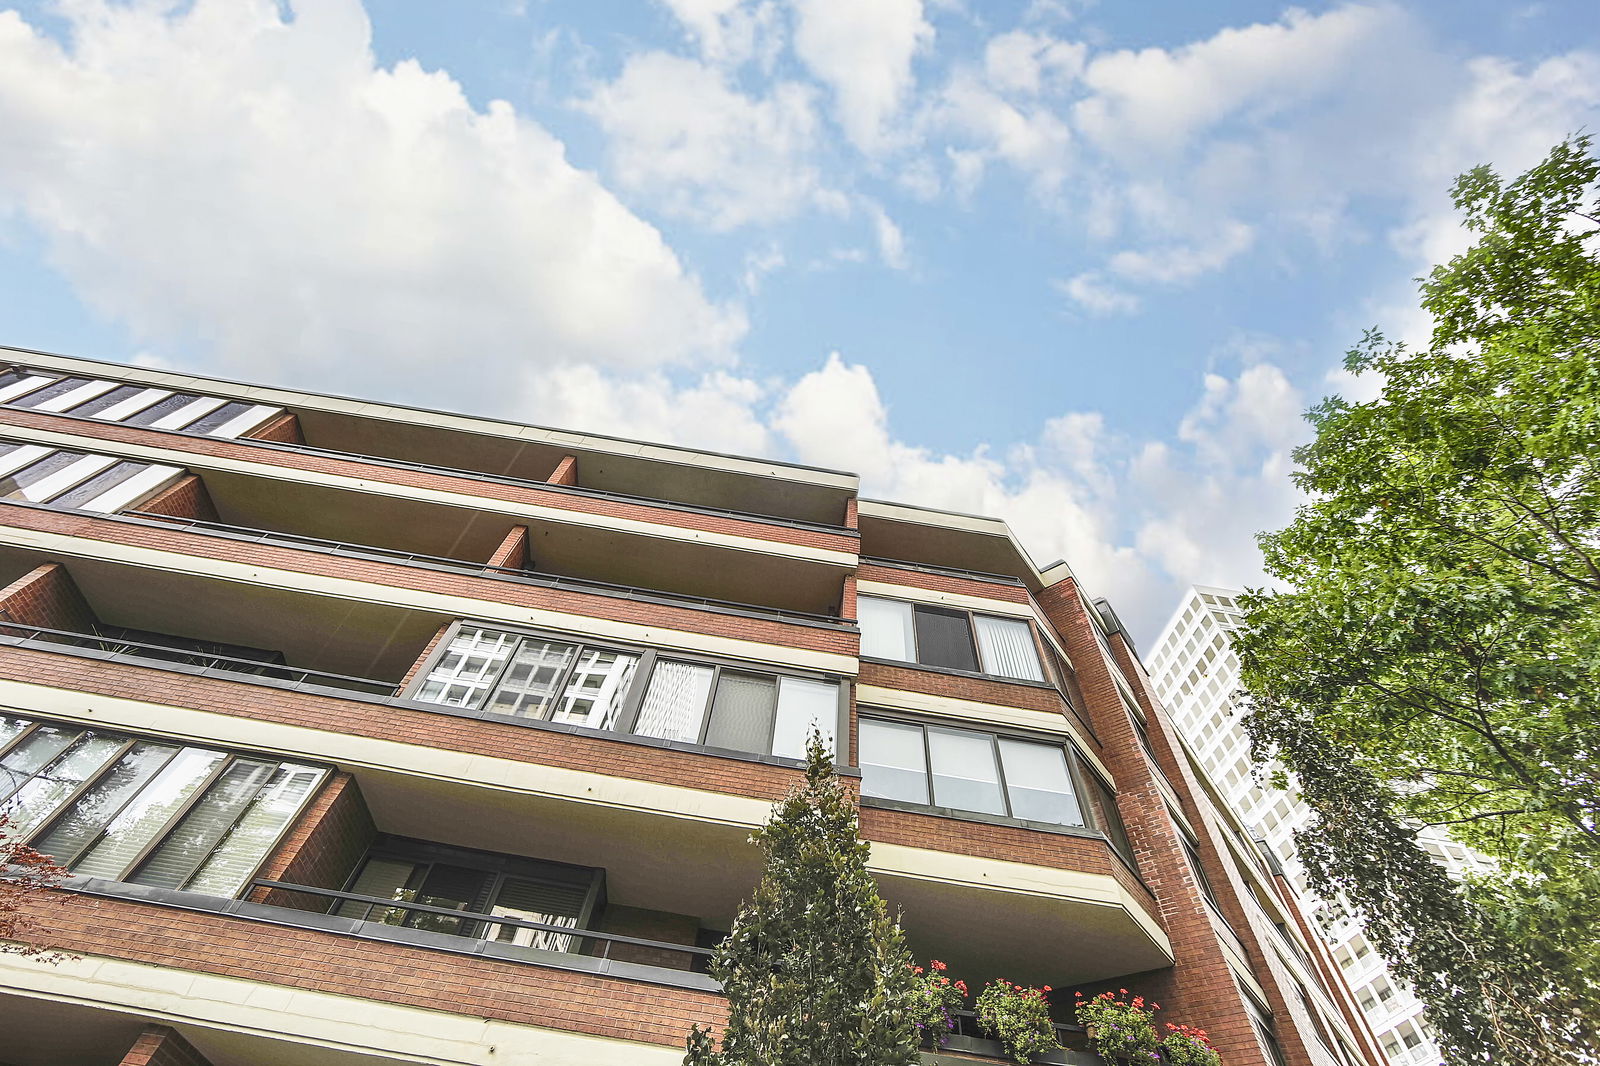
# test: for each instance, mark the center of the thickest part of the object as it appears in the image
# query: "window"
(460, 879)
(138, 405)
(80, 480)
(947, 638)
(148, 812)
(635, 691)
(967, 770)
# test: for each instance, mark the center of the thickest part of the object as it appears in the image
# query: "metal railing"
(572, 935)
(19, 635)
(255, 535)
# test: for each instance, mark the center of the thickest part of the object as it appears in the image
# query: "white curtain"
(1007, 647)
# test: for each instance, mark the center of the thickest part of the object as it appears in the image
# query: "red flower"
(938, 966)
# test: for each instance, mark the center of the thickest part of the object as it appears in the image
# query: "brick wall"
(983, 690)
(284, 429)
(187, 499)
(1199, 989)
(520, 993)
(160, 1045)
(47, 597)
(322, 848)
(648, 925)
(422, 659)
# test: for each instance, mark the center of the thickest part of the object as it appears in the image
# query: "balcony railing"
(18, 635)
(478, 925)
(466, 566)
(970, 1039)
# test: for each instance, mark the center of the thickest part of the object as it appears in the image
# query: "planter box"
(961, 1049)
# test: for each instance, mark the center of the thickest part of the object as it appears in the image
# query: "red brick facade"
(283, 429)
(187, 499)
(46, 597)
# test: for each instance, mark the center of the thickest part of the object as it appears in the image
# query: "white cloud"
(1031, 63)
(221, 175)
(1137, 521)
(891, 241)
(680, 137)
(731, 32)
(863, 50)
(718, 411)
(1029, 137)
(1156, 100)
(1183, 262)
(1094, 294)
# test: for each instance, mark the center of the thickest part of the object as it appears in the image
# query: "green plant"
(1185, 1045)
(937, 1000)
(815, 971)
(1020, 1017)
(1121, 1030)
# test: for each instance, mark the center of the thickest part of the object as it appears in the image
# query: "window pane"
(147, 813)
(1007, 646)
(463, 675)
(39, 798)
(107, 399)
(15, 487)
(50, 391)
(26, 758)
(1038, 782)
(536, 901)
(675, 702)
(944, 638)
(458, 888)
(802, 704)
(528, 688)
(386, 879)
(1108, 817)
(741, 713)
(893, 763)
(596, 689)
(218, 418)
(191, 840)
(886, 629)
(964, 774)
(10, 727)
(79, 827)
(157, 411)
(237, 855)
(100, 484)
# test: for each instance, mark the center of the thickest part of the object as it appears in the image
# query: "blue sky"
(1077, 264)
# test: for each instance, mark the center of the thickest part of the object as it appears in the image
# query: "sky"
(1079, 265)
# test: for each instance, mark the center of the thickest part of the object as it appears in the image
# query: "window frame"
(972, 635)
(628, 712)
(127, 741)
(1079, 771)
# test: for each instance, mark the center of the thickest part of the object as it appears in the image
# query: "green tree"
(1436, 661)
(815, 971)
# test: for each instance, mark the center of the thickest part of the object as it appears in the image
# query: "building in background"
(1195, 674)
(376, 735)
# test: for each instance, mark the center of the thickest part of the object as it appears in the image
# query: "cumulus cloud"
(863, 52)
(223, 176)
(680, 137)
(730, 32)
(1091, 292)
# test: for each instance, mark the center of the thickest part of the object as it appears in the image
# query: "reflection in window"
(969, 770)
(149, 812)
(947, 638)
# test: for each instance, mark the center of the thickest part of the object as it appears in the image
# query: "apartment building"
(378, 735)
(1195, 674)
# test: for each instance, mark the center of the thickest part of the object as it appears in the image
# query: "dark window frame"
(231, 756)
(628, 713)
(1084, 778)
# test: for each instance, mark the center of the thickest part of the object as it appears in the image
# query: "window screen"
(944, 638)
(742, 712)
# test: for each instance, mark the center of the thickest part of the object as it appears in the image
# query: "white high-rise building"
(1196, 673)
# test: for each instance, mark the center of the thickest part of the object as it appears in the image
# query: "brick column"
(47, 597)
(565, 473)
(187, 499)
(1199, 989)
(160, 1045)
(513, 550)
(322, 848)
(284, 429)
